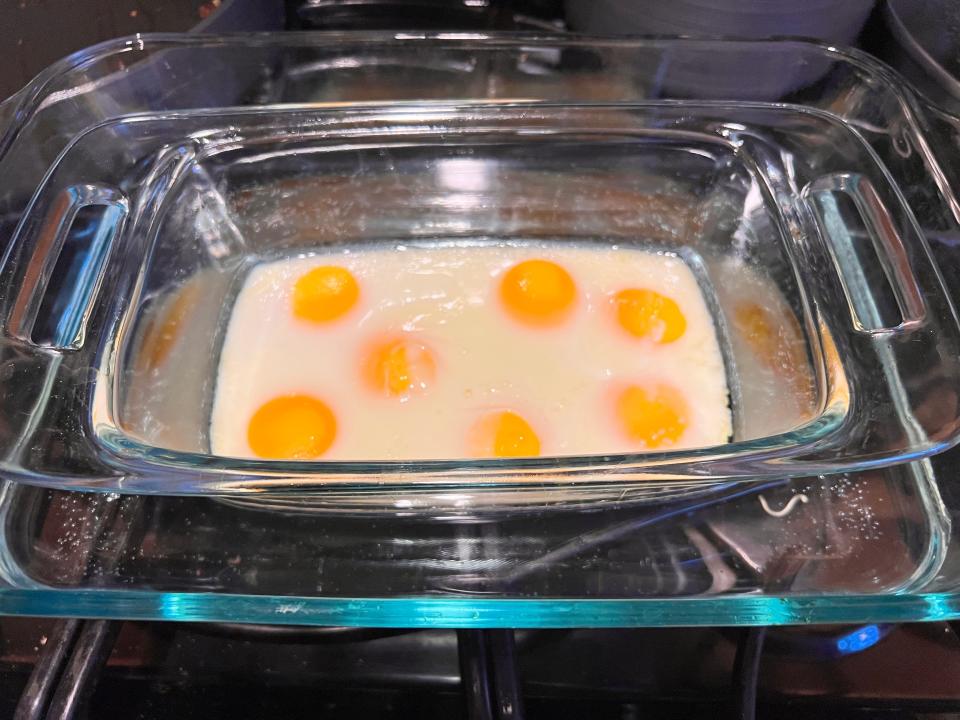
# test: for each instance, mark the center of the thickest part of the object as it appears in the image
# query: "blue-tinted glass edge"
(478, 613)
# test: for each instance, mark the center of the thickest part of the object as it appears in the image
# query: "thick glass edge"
(129, 454)
(16, 110)
(479, 613)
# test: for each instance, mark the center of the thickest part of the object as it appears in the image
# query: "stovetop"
(93, 669)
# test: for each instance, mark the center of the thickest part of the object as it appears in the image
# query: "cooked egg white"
(387, 353)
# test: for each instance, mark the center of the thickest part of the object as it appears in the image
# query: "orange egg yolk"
(325, 294)
(645, 313)
(503, 434)
(652, 417)
(163, 334)
(780, 348)
(399, 367)
(292, 427)
(538, 292)
(753, 323)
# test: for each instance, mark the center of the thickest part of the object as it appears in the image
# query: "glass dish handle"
(57, 263)
(868, 252)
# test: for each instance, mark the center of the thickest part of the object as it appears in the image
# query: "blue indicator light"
(859, 639)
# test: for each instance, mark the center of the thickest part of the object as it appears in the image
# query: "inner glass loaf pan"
(779, 210)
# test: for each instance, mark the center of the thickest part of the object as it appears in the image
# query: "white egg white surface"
(561, 379)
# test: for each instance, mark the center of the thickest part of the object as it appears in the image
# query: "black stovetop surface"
(165, 670)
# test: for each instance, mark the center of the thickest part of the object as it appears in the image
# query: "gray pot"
(835, 21)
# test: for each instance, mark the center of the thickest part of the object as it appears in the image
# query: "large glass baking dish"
(838, 155)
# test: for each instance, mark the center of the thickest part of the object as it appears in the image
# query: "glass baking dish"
(783, 212)
(839, 154)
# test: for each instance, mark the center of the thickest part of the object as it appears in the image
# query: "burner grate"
(72, 679)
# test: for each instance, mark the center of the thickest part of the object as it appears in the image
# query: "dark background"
(35, 33)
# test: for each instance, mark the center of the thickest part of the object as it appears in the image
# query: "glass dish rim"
(20, 107)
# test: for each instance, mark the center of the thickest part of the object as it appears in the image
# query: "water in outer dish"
(384, 353)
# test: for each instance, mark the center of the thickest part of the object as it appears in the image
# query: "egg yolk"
(324, 294)
(753, 323)
(652, 417)
(646, 313)
(292, 427)
(503, 434)
(780, 348)
(538, 292)
(400, 366)
(162, 335)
